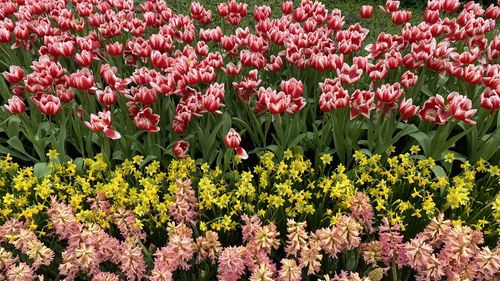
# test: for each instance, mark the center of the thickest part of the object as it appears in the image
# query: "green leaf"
(423, 140)
(439, 171)
(4, 150)
(13, 127)
(41, 169)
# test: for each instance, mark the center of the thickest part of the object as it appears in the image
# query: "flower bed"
(279, 219)
(141, 141)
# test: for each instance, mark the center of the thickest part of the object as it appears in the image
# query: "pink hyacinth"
(184, 209)
(231, 264)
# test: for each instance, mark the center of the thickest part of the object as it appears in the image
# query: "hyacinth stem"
(394, 271)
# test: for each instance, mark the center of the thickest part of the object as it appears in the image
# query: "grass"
(380, 22)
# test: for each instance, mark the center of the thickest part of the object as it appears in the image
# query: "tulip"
(145, 96)
(47, 104)
(333, 100)
(147, 121)
(82, 79)
(287, 7)
(349, 74)
(387, 95)
(366, 11)
(277, 102)
(450, 6)
(407, 109)
(361, 103)
(181, 148)
(15, 105)
(64, 93)
(107, 97)
(84, 59)
(102, 123)
(292, 87)
(261, 13)
(232, 140)
(390, 6)
(461, 108)
(408, 79)
(14, 75)
(490, 99)
(434, 111)
(401, 17)
(114, 49)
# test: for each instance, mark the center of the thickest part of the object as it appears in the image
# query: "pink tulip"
(490, 99)
(181, 148)
(366, 11)
(14, 75)
(147, 121)
(232, 140)
(407, 109)
(102, 123)
(15, 105)
(47, 104)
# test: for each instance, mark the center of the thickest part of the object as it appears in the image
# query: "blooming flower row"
(333, 214)
(149, 64)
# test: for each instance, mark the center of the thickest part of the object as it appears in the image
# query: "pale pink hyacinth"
(362, 210)
(231, 264)
(125, 220)
(26, 241)
(289, 271)
(132, 260)
(297, 237)
(437, 230)
(266, 238)
(20, 272)
(63, 220)
(6, 259)
(263, 272)
(418, 253)
(105, 276)
(179, 250)
(392, 242)
(310, 256)
(160, 274)
(460, 246)
(371, 252)
(486, 263)
(208, 247)
(184, 209)
(250, 227)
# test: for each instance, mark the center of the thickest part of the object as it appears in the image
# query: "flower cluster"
(176, 73)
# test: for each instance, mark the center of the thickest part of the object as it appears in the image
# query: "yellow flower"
(137, 159)
(288, 154)
(203, 226)
(53, 154)
(415, 149)
(449, 158)
(326, 159)
(237, 159)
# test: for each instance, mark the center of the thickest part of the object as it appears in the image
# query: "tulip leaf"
(4, 150)
(13, 127)
(423, 140)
